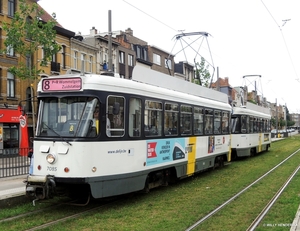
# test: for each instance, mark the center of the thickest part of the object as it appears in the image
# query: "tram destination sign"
(58, 84)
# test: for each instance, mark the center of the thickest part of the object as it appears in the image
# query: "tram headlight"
(51, 158)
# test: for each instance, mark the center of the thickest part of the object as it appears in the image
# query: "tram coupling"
(40, 187)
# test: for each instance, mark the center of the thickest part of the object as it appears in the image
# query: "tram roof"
(146, 75)
(253, 110)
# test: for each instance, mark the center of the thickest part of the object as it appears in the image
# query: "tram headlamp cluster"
(50, 158)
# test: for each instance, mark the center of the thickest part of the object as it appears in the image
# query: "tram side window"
(268, 126)
(115, 116)
(260, 125)
(135, 112)
(244, 124)
(255, 125)
(251, 124)
(198, 121)
(186, 120)
(225, 122)
(263, 125)
(171, 119)
(236, 124)
(217, 122)
(208, 121)
(153, 118)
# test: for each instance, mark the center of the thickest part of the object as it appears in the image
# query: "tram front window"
(68, 117)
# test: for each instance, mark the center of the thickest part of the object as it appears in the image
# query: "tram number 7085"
(50, 168)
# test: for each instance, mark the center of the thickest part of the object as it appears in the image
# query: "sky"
(257, 38)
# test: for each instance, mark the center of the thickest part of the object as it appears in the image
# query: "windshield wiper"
(51, 129)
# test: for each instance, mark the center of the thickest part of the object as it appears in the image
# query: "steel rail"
(238, 194)
(258, 219)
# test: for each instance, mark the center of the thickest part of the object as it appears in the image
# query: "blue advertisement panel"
(162, 151)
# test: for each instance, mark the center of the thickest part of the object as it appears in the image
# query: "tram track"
(29, 213)
(48, 224)
(219, 208)
(259, 218)
(79, 211)
(85, 210)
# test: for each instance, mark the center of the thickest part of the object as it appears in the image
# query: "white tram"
(250, 130)
(110, 136)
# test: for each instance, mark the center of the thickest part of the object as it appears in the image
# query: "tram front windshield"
(66, 117)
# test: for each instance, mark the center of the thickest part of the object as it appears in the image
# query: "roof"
(46, 16)
(58, 27)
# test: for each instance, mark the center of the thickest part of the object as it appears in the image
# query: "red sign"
(10, 115)
(151, 150)
(57, 84)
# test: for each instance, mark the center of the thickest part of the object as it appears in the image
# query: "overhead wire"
(290, 57)
(149, 15)
(280, 28)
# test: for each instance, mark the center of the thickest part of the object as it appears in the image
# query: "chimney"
(129, 31)
(93, 31)
(226, 81)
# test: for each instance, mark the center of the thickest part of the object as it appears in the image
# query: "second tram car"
(250, 130)
(110, 136)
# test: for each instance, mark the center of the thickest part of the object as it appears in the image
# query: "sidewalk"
(12, 190)
(12, 186)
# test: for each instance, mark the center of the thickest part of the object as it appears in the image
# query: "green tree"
(290, 123)
(25, 34)
(273, 122)
(202, 74)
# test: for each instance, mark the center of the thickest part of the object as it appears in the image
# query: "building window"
(10, 51)
(141, 52)
(28, 22)
(28, 100)
(75, 60)
(11, 8)
(28, 61)
(168, 63)
(10, 136)
(10, 85)
(54, 58)
(63, 56)
(91, 64)
(105, 59)
(130, 60)
(121, 57)
(83, 62)
(156, 59)
(43, 53)
(138, 52)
